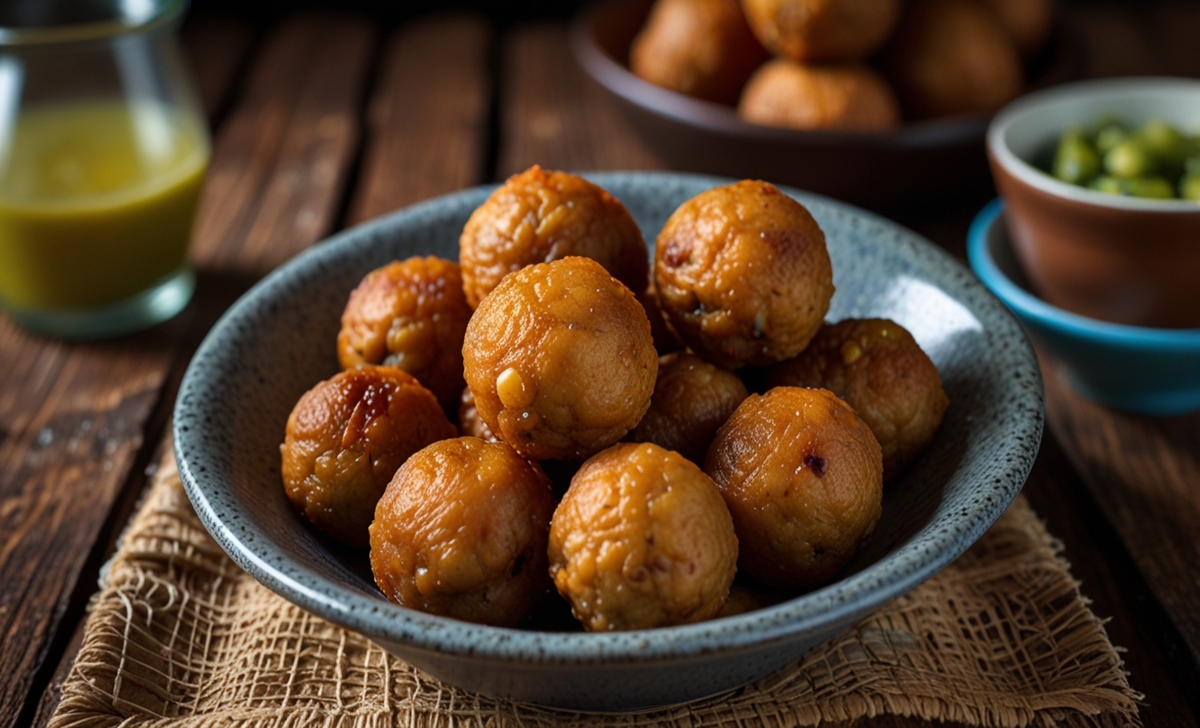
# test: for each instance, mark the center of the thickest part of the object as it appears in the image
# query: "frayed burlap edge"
(179, 636)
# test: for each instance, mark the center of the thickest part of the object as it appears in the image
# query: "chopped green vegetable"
(1075, 162)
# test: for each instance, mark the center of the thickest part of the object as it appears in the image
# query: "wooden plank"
(553, 115)
(1144, 473)
(428, 117)
(287, 147)
(73, 417)
(217, 45)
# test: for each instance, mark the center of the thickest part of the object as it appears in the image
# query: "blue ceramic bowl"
(1128, 368)
(278, 341)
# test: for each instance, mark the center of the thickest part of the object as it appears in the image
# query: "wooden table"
(323, 120)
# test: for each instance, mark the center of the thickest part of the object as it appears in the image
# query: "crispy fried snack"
(803, 477)
(640, 540)
(796, 96)
(743, 275)
(345, 439)
(822, 30)
(701, 48)
(692, 398)
(560, 360)
(877, 367)
(462, 530)
(952, 57)
(410, 315)
(539, 216)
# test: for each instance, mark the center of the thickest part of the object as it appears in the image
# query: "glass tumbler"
(103, 150)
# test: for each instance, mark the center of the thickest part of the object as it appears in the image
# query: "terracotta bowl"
(920, 164)
(1129, 368)
(1119, 259)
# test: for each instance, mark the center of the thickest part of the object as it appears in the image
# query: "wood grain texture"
(73, 418)
(428, 115)
(553, 115)
(1144, 473)
(281, 159)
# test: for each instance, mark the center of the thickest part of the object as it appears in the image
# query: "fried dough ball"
(345, 439)
(743, 275)
(642, 540)
(822, 30)
(469, 423)
(796, 96)
(952, 57)
(410, 315)
(692, 398)
(701, 48)
(560, 360)
(462, 532)
(877, 367)
(1027, 21)
(803, 477)
(539, 216)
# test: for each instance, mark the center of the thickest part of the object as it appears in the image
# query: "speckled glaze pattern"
(277, 341)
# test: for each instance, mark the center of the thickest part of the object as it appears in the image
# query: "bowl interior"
(278, 341)
(1021, 135)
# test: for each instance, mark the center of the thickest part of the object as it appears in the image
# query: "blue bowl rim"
(842, 601)
(1030, 307)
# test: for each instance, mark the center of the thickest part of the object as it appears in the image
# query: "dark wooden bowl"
(927, 163)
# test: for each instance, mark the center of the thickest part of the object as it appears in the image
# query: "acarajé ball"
(642, 539)
(803, 478)
(462, 531)
(560, 360)
(411, 315)
(541, 215)
(347, 437)
(743, 275)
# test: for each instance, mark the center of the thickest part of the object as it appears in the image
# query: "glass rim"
(162, 13)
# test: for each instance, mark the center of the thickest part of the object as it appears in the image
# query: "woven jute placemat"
(180, 636)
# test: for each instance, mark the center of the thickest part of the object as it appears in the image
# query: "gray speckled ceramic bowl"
(278, 341)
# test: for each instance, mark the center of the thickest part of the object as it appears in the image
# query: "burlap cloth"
(180, 636)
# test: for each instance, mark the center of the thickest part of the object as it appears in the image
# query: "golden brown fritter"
(345, 439)
(462, 532)
(1027, 21)
(791, 95)
(701, 48)
(880, 370)
(822, 30)
(952, 57)
(469, 423)
(539, 216)
(743, 275)
(692, 398)
(642, 539)
(560, 360)
(410, 315)
(803, 477)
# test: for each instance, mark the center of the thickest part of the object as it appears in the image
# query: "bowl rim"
(1066, 95)
(840, 602)
(1029, 306)
(719, 118)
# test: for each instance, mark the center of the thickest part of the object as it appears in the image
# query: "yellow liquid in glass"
(96, 202)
